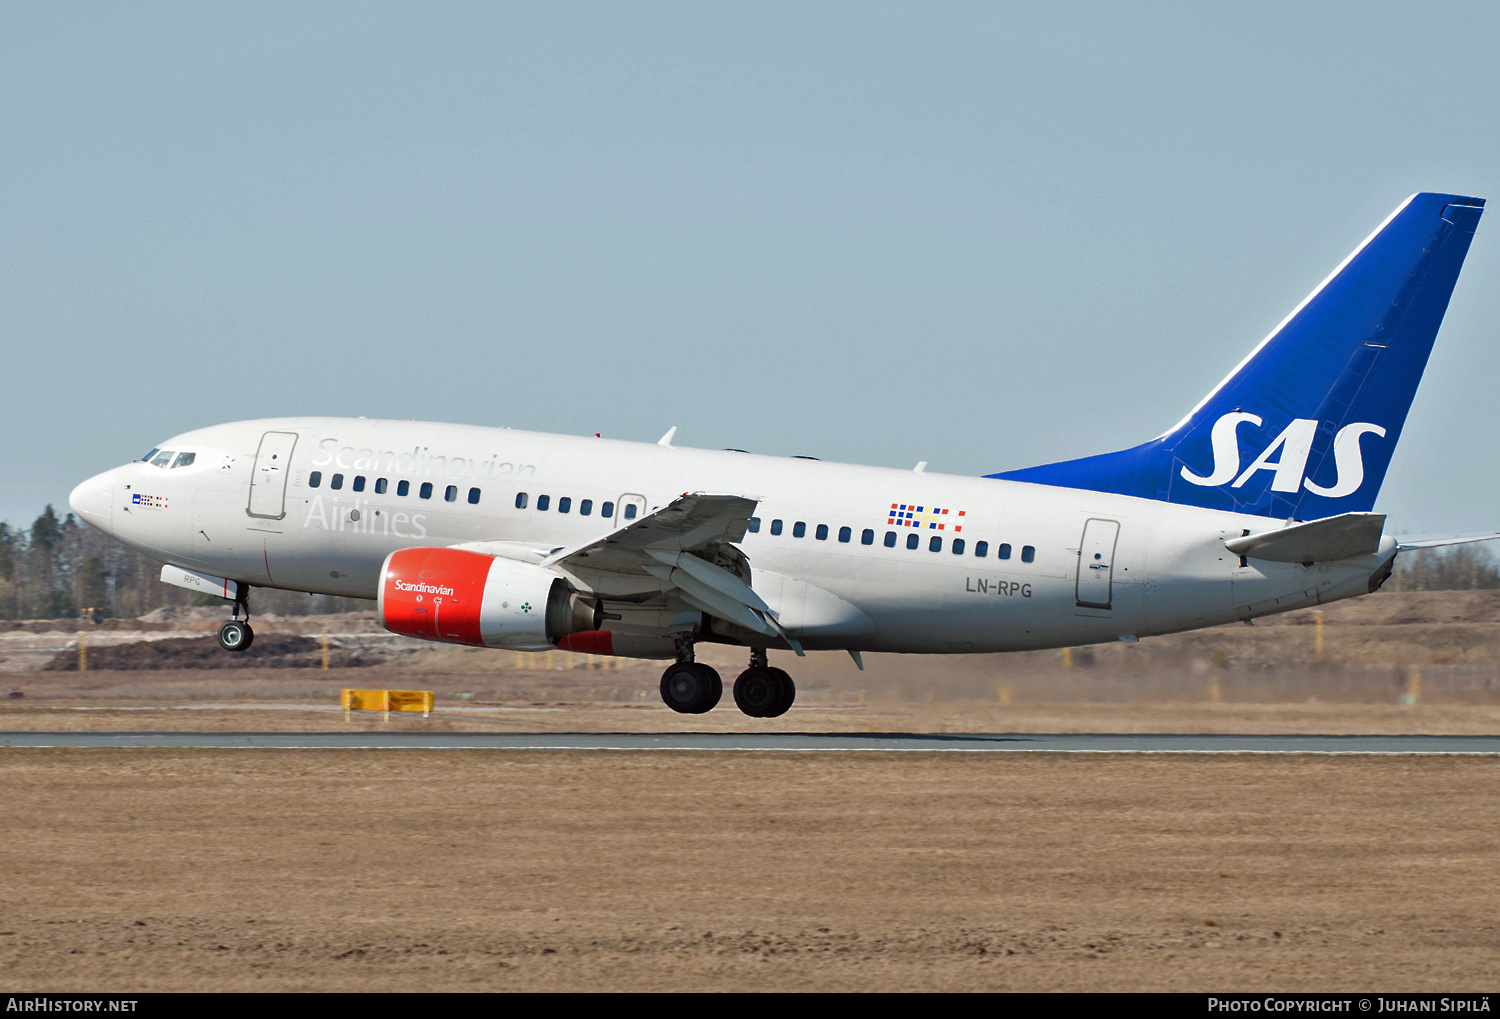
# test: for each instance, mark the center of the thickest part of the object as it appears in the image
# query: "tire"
(691, 688)
(718, 689)
(759, 693)
(788, 695)
(236, 636)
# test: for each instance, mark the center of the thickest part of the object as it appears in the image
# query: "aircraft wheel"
(236, 636)
(765, 692)
(691, 688)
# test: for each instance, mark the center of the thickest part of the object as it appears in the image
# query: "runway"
(1065, 743)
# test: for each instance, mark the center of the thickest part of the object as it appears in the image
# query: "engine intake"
(459, 597)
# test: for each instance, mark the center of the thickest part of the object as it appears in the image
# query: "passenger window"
(450, 494)
(845, 534)
(163, 459)
(1003, 552)
(776, 527)
(958, 546)
(359, 483)
(913, 540)
(821, 533)
(426, 490)
(799, 529)
(981, 549)
(520, 500)
(607, 510)
(1028, 553)
(630, 511)
(403, 487)
(184, 460)
(565, 504)
(935, 545)
(314, 479)
(867, 537)
(543, 501)
(890, 539)
(585, 507)
(336, 482)
(754, 526)
(473, 497)
(380, 486)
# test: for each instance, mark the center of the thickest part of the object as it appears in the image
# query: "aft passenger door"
(1096, 557)
(268, 480)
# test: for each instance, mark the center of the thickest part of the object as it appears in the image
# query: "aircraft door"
(1096, 556)
(273, 464)
(631, 507)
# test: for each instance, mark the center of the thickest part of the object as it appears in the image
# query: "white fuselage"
(1164, 569)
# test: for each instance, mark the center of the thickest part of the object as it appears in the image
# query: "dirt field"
(168, 870)
(268, 870)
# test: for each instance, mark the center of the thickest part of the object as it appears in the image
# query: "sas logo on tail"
(1294, 444)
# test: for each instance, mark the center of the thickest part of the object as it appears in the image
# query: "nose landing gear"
(236, 635)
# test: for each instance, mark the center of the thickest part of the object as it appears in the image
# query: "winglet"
(666, 440)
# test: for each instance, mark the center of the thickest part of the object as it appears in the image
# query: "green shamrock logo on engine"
(526, 607)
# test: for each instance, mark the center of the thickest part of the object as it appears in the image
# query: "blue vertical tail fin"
(1305, 426)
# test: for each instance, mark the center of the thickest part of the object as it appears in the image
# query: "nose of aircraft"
(94, 501)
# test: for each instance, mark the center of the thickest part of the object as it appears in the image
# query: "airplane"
(1260, 500)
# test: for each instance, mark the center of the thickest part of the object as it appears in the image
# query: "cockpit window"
(147, 458)
(164, 458)
(184, 459)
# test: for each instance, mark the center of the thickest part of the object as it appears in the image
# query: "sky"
(983, 235)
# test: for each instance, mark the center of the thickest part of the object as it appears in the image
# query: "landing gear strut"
(763, 691)
(236, 635)
(690, 687)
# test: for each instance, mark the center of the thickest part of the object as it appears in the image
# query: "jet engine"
(460, 597)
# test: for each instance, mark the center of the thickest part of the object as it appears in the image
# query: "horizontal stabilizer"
(1412, 544)
(1322, 541)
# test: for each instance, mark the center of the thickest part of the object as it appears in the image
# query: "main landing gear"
(763, 691)
(236, 635)
(692, 688)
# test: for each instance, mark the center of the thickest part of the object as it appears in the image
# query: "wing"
(690, 545)
(705, 524)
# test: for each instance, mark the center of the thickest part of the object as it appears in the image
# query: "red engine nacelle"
(460, 597)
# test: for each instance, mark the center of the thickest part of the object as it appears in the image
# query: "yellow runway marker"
(387, 701)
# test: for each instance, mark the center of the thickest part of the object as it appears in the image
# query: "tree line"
(1455, 568)
(59, 568)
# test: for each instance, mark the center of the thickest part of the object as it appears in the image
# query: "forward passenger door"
(273, 463)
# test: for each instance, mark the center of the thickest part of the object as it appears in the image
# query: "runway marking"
(1064, 743)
